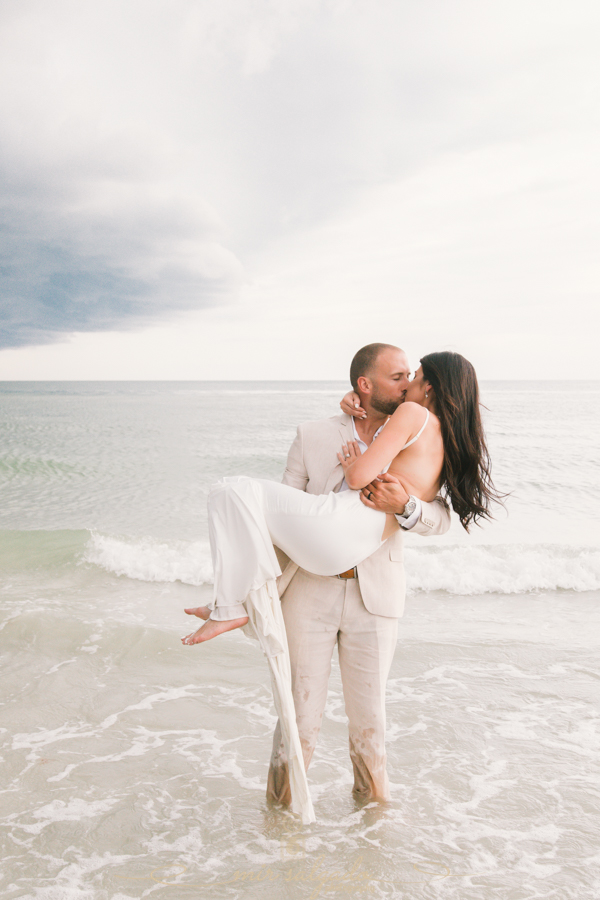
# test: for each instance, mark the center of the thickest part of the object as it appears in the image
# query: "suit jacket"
(313, 466)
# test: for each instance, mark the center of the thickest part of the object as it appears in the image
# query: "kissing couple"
(316, 561)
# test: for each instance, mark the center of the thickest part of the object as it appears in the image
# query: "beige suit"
(359, 615)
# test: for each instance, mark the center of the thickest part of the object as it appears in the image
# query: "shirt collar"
(359, 439)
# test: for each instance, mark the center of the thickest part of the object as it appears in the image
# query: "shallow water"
(129, 762)
(134, 767)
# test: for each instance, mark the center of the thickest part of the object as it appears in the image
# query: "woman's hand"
(351, 405)
(350, 453)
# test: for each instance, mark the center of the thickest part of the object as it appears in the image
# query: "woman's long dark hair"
(467, 467)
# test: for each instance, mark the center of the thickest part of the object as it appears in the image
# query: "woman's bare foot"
(203, 612)
(212, 628)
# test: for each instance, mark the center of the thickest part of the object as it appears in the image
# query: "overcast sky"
(256, 188)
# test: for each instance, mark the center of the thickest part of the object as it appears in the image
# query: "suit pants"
(320, 612)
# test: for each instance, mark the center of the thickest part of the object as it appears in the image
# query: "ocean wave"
(502, 569)
(146, 559)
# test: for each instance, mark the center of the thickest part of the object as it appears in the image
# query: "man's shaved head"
(365, 359)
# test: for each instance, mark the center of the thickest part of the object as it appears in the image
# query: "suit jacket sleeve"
(295, 475)
(295, 470)
(435, 518)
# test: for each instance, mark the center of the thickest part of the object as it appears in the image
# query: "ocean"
(135, 767)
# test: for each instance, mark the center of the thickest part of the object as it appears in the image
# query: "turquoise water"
(133, 765)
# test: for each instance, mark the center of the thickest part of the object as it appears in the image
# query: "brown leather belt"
(351, 573)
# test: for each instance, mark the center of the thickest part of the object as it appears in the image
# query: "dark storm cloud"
(102, 254)
(121, 121)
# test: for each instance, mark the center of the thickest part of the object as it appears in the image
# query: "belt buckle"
(351, 573)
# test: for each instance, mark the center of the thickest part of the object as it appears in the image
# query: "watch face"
(410, 507)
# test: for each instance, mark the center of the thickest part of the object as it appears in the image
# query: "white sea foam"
(500, 569)
(503, 569)
(73, 810)
(150, 560)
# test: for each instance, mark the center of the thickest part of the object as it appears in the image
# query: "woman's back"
(419, 464)
(412, 440)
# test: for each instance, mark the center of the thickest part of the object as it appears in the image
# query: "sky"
(254, 189)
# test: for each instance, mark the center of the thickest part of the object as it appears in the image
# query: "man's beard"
(385, 405)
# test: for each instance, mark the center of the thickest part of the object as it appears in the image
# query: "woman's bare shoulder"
(407, 418)
(408, 412)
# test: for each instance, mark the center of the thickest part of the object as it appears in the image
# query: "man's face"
(389, 381)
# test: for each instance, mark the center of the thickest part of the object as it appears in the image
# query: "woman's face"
(417, 388)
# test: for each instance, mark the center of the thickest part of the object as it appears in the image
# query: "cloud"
(97, 253)
(158, 155)
(99, 228)
(133, 165)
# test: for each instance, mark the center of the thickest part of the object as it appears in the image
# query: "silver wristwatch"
(409, 508)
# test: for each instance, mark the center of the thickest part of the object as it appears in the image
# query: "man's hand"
(385, 494)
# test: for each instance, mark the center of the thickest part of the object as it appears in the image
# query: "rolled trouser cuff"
(225, 613)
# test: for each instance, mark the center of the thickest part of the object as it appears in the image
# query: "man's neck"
(366, 428)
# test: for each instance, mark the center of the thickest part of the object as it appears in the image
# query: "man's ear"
(364, 385)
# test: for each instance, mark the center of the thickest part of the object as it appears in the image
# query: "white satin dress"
(325, 534)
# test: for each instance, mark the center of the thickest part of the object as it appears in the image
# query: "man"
(357, 610)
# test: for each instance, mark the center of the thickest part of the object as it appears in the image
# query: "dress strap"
(419, 432)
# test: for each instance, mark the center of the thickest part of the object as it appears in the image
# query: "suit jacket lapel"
(336, 476)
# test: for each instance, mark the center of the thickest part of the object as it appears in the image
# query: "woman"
(433, 441)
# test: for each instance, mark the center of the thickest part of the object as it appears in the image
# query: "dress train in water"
(325, 534)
